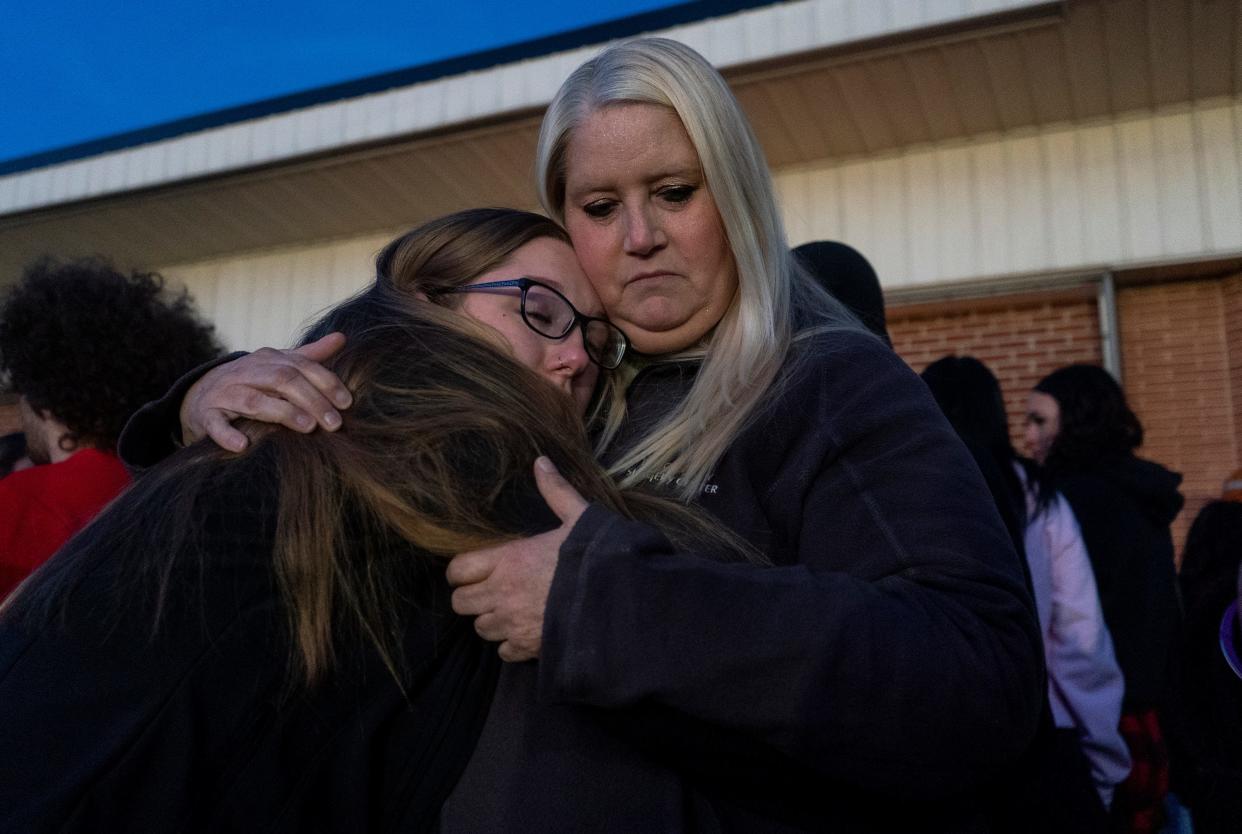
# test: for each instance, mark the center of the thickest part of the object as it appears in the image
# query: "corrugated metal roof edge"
(683, 13)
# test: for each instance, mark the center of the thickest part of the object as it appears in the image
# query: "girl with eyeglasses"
(263, 641)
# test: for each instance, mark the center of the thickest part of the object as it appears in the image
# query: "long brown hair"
(436, 451)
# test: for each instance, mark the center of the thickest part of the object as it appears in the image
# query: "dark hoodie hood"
(1152, 486)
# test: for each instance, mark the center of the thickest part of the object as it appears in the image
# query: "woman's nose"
(571, 356)
(642, 232)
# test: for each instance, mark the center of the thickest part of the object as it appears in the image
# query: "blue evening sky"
(77, 70)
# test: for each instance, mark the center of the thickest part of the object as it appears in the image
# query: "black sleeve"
(899, 652)
(153, 432)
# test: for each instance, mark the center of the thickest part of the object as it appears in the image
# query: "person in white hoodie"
(1085, 684)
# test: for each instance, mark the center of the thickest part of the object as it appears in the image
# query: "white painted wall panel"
(1141, 206)
(761, 33)
(923, 239)
(79, 178)
(869, 19)
(825, 202)
(1026, 181)
(1065, 198)
(857, 227)
(269, 298)
(991, 207)
(1134, 192)
(97, 172)
(1178, 182)
(1102, 195)
(795, 26)
(833, 16)
(1108, 195)
(58, 186)
(1219, 143)
(196, 156)
(889, 209)
(956, 228)
(355, 116)
(793, 195)
(904, 15)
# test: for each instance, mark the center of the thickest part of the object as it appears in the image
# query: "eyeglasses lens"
(547, 312)
(605, 343)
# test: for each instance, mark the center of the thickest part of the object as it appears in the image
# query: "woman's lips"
(649, 276)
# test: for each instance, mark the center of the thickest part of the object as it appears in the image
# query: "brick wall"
(1183, 381)
(1181, 351)
(1021, 339)
(1231, 297)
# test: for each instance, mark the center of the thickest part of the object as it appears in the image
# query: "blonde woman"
(888, 666)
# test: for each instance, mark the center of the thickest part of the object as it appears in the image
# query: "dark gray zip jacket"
(878, 678)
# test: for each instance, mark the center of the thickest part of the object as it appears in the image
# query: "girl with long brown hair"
(262, 641)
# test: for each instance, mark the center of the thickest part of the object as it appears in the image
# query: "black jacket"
(1124, 506)
(109, 724)
(875, 679)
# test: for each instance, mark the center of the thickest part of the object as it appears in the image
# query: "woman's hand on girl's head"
(505, 588)
(288, 387)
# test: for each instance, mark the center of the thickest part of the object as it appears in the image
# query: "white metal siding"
(269, 298)
(754, 35)
(1129, 192)
(1111, 195)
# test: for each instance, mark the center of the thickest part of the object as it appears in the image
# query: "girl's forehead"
(554, 263)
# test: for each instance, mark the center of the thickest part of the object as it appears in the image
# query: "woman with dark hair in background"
(263, 641)
(1084, 681)
(1081, 429)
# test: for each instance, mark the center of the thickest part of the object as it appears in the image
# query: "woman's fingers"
(217, 426)
(286, 387)
(308, 358)
(562, 498)
(323, 348)
(473, 567)
(282, 391)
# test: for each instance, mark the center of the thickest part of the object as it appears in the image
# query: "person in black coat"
(1081, 429)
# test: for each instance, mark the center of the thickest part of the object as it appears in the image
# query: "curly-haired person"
(84, 346)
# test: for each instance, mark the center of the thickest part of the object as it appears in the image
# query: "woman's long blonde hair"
(436, 452)
(742, 356)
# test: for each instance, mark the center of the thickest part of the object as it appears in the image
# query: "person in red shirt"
(84, 346)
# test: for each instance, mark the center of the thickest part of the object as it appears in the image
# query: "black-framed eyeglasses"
(552, 316)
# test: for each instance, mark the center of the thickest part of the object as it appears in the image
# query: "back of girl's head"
(970, 396)
(1095, 420)
(444, 426)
